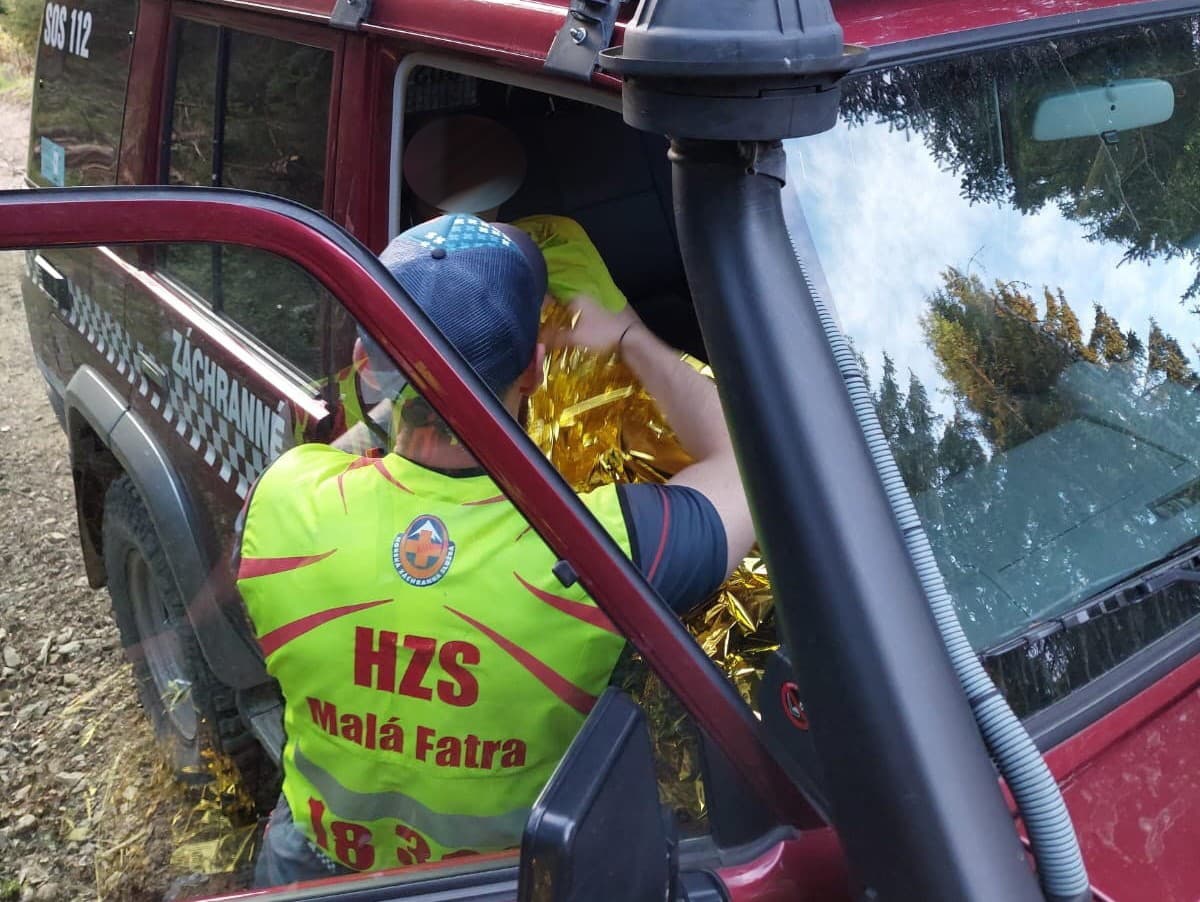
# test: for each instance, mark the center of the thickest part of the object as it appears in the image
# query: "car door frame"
(132, 215)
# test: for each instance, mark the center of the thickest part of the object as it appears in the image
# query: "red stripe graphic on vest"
(281, 636)
(577, 609)
(662, 538)
(496, 499)
(567, 691)
(251, 567)
(357, 464)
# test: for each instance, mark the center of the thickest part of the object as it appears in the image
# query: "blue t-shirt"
(677, 539)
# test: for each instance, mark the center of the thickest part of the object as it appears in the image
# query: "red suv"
(951, 319)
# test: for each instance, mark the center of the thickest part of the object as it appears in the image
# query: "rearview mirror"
(597, 831)
(1114, 107)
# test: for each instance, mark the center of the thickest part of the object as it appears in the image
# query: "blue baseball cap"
(482, 284)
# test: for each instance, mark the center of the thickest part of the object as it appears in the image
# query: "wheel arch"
(107, 439)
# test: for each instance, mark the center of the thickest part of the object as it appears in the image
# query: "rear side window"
(276, 113)
(249, 112)
(193, 109)
(79, 100)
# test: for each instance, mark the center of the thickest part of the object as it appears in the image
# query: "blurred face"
(423, 211)
(379, 379)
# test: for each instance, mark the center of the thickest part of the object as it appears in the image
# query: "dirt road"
(14, 133)
(86, 809)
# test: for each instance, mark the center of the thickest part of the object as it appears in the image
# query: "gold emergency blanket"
(598, 425)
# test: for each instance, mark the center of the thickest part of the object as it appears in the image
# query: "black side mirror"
(597, 831)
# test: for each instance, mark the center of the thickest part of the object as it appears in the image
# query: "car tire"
(190, 709)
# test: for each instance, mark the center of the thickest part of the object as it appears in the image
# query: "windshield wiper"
(1181, 565)
(1184, 572)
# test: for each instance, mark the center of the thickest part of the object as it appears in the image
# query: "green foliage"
(919, 463)
(889, 403)
(1165, 357)
(951, 105)
(1002, 358)
(1107, 343)
(910, 425)
(22, 21)
(959, 450)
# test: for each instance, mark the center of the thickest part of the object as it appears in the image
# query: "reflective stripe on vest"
(455, 831)
(433, 667)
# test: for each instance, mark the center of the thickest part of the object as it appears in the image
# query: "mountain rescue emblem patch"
(423, 552)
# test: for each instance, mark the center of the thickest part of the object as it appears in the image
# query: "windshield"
(1011, 242)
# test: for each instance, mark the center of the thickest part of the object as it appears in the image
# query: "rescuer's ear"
(529, 381)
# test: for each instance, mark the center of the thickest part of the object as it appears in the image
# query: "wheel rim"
(162, 647)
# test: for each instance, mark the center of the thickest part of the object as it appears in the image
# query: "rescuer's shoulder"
(607, 506)
(603, 500)
(301, 467)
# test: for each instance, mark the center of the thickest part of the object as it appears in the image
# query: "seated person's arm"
(690, 404)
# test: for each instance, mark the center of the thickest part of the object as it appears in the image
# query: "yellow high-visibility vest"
(434, 669)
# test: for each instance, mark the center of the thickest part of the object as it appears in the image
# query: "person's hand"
(594, 327)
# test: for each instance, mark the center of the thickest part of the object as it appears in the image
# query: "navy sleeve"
(677, 540)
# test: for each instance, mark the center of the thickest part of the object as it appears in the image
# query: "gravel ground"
(87, 809)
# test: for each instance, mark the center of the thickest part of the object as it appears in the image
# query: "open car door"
(226, 387)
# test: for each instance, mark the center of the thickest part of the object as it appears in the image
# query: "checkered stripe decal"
(101, 330)
(213, 437)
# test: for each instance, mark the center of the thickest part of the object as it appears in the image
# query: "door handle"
(150, 368)
(53, 283)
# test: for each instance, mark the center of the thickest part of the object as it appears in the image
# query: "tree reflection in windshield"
(1012, 240)
(1088, 444)
(1140, 188)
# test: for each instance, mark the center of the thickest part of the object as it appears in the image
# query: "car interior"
(585, 163)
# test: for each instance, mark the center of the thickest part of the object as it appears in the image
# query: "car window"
(1011, 239)
(276, 115)
(250, 112)
(83, 62)
(193, 106)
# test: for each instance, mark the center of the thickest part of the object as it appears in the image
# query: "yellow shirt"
(573, 265)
